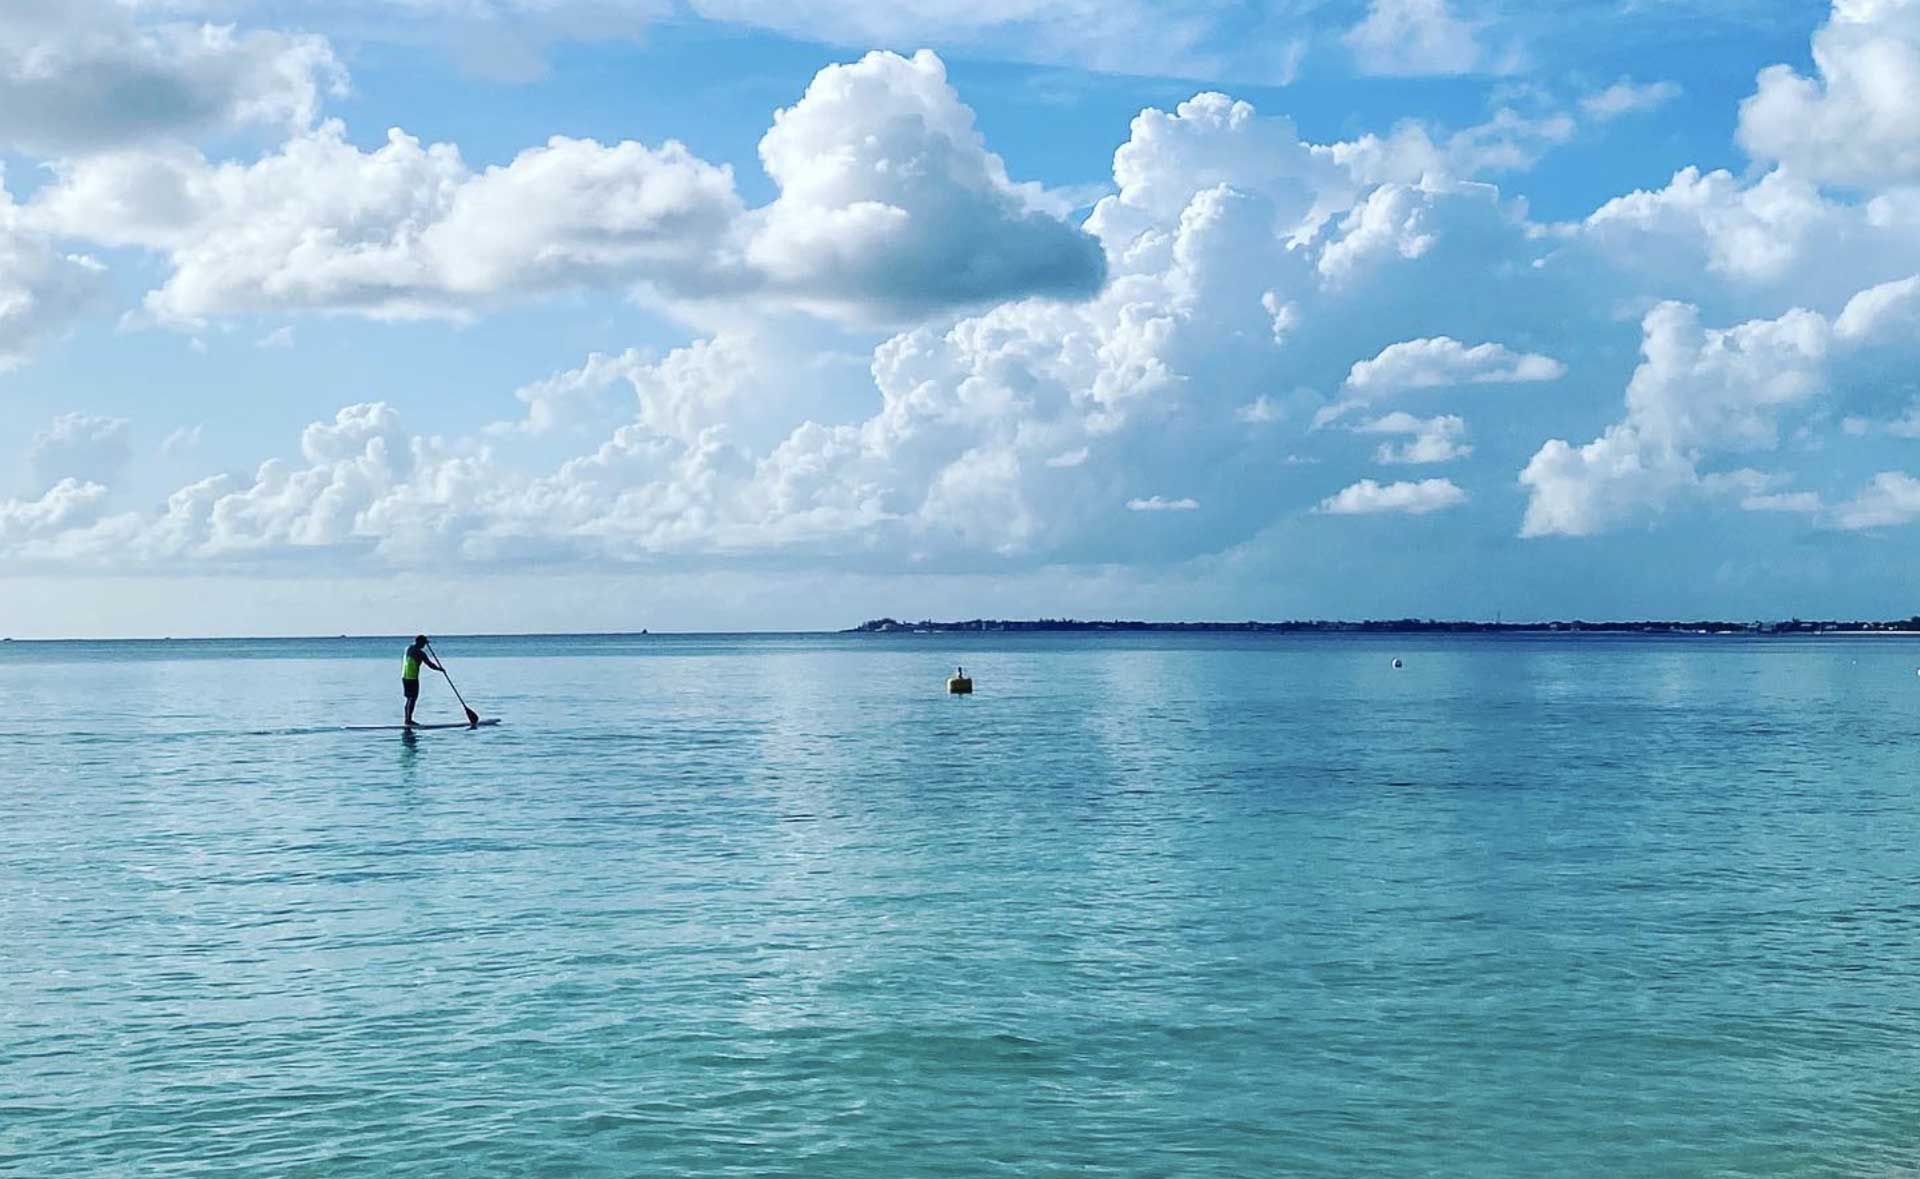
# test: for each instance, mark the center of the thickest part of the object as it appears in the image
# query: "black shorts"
(411, 688)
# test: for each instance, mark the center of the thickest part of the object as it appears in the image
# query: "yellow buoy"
(958, 684)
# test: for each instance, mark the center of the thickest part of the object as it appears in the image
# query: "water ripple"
(1141, 907)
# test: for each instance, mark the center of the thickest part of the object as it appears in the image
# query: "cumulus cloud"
(42, 291)
(678, 396)
(80, 447)
(362, 482)
(1440, 361)
(1414, 37)
(1887, 312)
(64, 507)
(1368, 498)
(890, 205)
(1748, 248)
(1853, 124)
(1891, 499)
(889, 195)
(1429, 440)
(82, 75)
(1021, 433)
(579, 393)
(1698, 392)
(1009, 425)
(403, 231)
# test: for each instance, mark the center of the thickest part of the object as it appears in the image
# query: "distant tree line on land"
(1795, 626)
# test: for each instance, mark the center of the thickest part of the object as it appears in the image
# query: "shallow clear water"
(1143, 906)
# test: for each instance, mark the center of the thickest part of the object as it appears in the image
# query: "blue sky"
(710, 314)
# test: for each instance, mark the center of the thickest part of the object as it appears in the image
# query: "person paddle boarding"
(410, 672)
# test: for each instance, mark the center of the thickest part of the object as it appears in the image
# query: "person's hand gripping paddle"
(473, 718)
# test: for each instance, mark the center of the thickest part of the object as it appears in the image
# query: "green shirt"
(410, 667)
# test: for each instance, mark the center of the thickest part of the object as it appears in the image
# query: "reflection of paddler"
(958, 684)
(410, 672)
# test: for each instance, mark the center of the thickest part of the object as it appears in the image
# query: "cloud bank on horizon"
(1250, 333)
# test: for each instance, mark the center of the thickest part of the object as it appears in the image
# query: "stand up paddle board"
(485, 724)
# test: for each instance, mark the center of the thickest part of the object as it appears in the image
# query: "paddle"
(473, 718)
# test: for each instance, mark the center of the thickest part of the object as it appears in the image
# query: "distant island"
(1395, 626)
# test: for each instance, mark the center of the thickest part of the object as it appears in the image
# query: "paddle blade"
(473, 718)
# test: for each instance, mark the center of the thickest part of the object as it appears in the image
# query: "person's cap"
(419, 638)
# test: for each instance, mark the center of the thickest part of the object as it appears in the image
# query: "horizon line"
(1885, 625)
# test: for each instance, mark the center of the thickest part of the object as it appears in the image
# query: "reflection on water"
(1195, 906)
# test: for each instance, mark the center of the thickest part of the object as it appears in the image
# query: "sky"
(375, 316)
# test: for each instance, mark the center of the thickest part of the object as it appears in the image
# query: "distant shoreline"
(1398, 626)
(1893, 628)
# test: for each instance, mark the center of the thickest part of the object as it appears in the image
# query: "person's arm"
(433, 663)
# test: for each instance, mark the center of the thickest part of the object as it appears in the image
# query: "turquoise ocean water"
(1144, 906)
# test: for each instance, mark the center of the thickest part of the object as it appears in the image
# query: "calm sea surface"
(1143, 906)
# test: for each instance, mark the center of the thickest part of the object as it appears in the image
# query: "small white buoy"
(1397, 665)
(958, 684)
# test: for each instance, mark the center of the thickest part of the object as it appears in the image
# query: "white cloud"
(678, 396)
(67, 505)
(1697, 388)
(584, 392)
(1889, 312)
(1891, 499)
(1702, 391)
(1627, 97)
(81, 75)
(403, 231)
(1389, 223)
(1018, 433)
(1582, 491)
(1441, 361)
(1414, 37)
(890, 205)
(1210, 141)
(42, 291)
(1450, 227)
(280, 337)
(1749, 249)
(364, 483)
(1009, 427)
(1854, 124)
(1238, 258)
(1430, 440)
(81, 448)
(1367, 498)
(889, 195)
